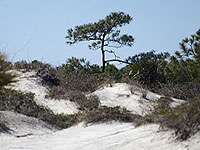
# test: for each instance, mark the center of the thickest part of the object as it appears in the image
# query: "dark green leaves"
(117, 19)
(105, 29)
(191, 46)
(104, 33)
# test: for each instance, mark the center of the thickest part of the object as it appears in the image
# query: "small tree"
(186, 66)
(104, 35)
(182, 71)
(148, 68)
(190, 47)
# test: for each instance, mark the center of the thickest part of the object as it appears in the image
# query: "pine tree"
(104, 35)
(190, 47)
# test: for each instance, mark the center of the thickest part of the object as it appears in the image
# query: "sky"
(36, 29)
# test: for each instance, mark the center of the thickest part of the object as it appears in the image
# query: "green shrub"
(6, 74)
(106, 114)
(185, 91)
(147, 68)
(181, 71)
(113, 72)
(77, 65)
(34, 65)
(80, 75)
(16, 101)
(62, 121)
(82, 82)
(84, 103)
(58, 92)
(183, 119)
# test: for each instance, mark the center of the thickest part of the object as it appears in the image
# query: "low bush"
(183, 119)
(84, 103)
(185, 91)
(82, 82)
(28, 66)
(6, 74)
(58, 92)
(80, 75)
(147, 68)
(48, 77)
(16, 101)
(106, 114)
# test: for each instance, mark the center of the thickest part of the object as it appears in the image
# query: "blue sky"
(36, 29)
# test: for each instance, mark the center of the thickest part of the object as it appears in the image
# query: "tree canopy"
(190, 47)
(104, 35)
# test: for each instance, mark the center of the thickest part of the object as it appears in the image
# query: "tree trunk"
(103, 54)
(103, 61)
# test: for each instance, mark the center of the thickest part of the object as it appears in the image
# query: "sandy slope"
(130, 97)
(28, 82)
(114, 136)
(21, 125)
(119, 94)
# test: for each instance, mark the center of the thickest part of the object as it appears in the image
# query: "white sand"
(114, 136)
(28, 82)
(20, 125)
(120, 95)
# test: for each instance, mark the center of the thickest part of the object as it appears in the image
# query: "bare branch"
(113, 52)
(118, 60)
(113, 46)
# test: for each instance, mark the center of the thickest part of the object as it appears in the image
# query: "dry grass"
(186, 91)
(183, 119)
(84, 103)
(16, 101)
(107, 114)
(29, 66)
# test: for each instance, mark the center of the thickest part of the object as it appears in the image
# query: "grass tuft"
(24, 103)
(107, 114)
